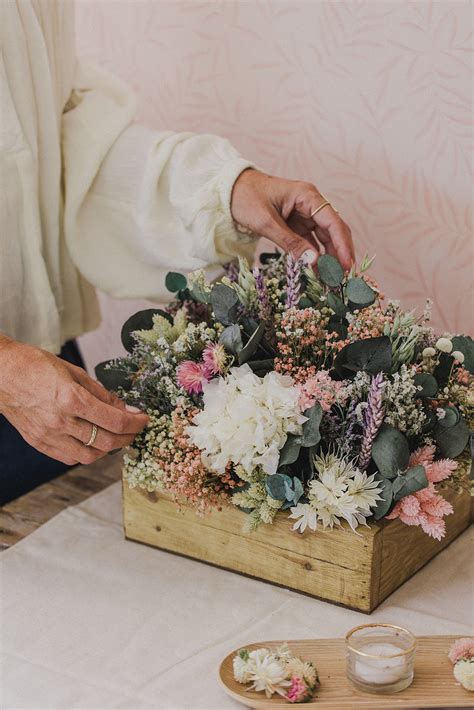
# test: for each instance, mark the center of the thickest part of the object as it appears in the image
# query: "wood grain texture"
(357, 571)
(433, 687)
(24, 515)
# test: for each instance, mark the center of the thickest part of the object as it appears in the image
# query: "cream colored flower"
(296, 667)
(241, 669)
(429, 352)
(269, 675)
(458, 355)
(246, 420)
(305, 516)
(464, 673)
(444, 344)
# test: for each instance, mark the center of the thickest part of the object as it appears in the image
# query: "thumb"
(291, 242)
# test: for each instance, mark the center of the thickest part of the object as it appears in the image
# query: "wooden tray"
(434, 685)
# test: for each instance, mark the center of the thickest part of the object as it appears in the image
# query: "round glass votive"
(380, 657)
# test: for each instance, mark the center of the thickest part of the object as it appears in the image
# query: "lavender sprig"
(293, 281)
(373, 419)
(264, 307)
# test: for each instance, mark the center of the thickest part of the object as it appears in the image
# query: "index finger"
(108, 417)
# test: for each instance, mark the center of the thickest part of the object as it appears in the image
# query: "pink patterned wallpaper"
(370, 100)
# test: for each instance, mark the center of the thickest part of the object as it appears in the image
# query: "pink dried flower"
(321, 388)
(425, 508)
(299, 691)
(191, 376)
(214, 359)
(461, 648)
(436, 471)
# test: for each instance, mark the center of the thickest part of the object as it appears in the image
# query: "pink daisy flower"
(191, 376)
(461, 648)
(214, 359)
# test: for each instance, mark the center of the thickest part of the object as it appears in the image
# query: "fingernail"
(134, 410)
(308, 257)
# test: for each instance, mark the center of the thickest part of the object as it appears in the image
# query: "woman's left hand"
(284, 212)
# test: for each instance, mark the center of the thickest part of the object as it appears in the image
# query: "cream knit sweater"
(88, 198)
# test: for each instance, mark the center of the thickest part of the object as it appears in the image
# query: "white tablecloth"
(90, 620)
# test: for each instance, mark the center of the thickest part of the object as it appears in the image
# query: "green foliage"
(311, 434)
(452, 440)
(143, 320)
(175, 282)
(284, 488)
(359, 293)
(290, 451)
(428, 384)
(465, 344)
(251, 346)
(330, 271)
(390, 451)
(383, 506)
(113, 376)
(412, 480)
(372, 355)
(225, 304)
(231, 339)
(337, 305)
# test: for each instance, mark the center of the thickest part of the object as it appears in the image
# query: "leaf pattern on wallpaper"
(369, 100)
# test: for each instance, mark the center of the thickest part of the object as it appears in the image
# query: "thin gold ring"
(93, 435)
(387, 626)
(325, 204)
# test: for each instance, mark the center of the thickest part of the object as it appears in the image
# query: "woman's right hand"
(54, 404)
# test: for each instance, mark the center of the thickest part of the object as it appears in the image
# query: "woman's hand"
(281, 211)
(54, 404)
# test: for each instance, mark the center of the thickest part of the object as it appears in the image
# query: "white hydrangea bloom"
(246, 420)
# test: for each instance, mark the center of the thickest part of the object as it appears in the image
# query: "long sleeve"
(138, 202)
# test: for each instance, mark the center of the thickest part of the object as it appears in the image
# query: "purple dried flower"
(373, 419)
(293, 281)
(232, 271)
(264, 308)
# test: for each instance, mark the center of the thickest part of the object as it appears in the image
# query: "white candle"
(383, 670)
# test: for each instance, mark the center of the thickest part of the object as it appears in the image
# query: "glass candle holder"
(380, 657)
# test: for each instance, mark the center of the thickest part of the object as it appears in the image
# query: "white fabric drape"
(88, 198)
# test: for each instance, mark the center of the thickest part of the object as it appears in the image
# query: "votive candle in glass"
(380, 657)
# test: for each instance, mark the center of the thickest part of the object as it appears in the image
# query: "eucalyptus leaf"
(290, 451)
(330, 271)
(225, 304)
(336, 304)
(359, 292)
(252, 344)
(311, 434)
(383, 506)
(451, 417)
(113, 377)
(452, 441)
(372, 355)
(338, 325)
(428, 384)
(261, 366)
(199, 294)
(305, 302)
(175, 281)
(390, 451)
(465, 344)
(412, 480)
(143, 320)
(231, 339)
(275, 485)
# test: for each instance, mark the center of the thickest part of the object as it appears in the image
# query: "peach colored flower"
(298, 691)
(461, 648)
(214, 359)
(191, 376)
(321, 388)
(436, 471)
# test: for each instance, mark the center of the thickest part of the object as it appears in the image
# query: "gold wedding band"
(325, 204)
(93, 435)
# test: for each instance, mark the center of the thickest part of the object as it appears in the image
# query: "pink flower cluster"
(427, 508)
(461, 649)
(191, 375)
(299, 690)
(321, 388)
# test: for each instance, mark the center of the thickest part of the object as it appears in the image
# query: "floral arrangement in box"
(284, 391)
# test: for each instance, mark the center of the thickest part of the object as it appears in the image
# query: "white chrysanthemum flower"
(241, 669)
(444, 344)
(340, 492)
(246, 420)
(305, 517)
(269, 675)
(464, 673)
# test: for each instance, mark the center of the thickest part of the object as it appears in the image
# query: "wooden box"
(356, 571)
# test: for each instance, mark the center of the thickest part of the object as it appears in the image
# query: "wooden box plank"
(434, 685)
(357, 571)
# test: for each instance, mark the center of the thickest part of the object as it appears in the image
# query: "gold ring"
(325, 204)
(93, 435)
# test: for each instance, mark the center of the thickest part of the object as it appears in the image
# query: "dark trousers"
(21, 466)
